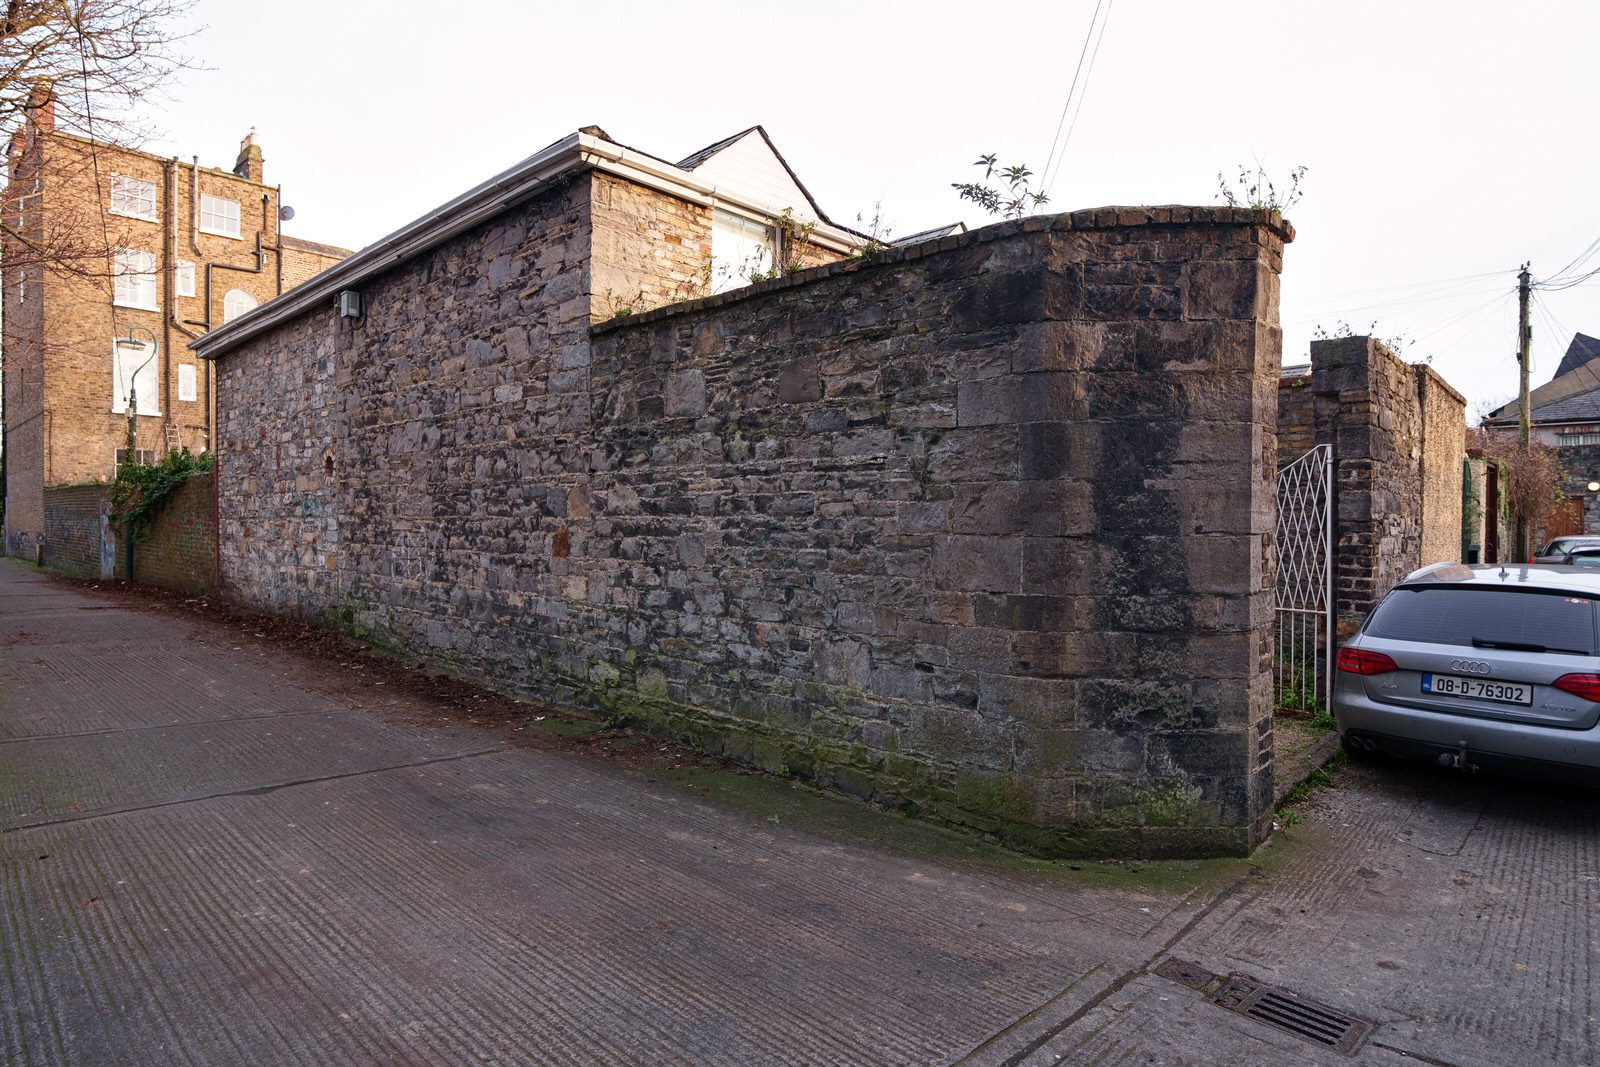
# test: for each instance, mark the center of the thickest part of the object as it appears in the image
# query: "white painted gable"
(750, 170)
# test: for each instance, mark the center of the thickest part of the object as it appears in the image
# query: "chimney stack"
(249, 163)
(41, 106)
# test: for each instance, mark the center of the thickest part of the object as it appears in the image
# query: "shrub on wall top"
(143, 489)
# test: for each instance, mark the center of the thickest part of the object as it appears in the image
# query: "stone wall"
(981, 528)
(74, 529)
(1443, 450)
(1580, 465)
(1398, 437)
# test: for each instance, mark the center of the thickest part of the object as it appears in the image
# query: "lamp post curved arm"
(130, 342)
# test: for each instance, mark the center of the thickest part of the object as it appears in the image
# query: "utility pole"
(1524, 352)
(1524, 343)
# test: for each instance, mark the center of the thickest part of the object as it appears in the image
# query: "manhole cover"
(1185, 973)
(1304, 1018)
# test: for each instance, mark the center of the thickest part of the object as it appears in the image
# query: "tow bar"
(1458, 759)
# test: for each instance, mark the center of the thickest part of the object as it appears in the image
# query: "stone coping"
(1100, 218)
(1426, 371)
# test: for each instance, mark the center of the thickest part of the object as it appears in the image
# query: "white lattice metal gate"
(1304, 660)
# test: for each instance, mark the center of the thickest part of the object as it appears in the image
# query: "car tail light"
(1586, 686)
(1360, 661)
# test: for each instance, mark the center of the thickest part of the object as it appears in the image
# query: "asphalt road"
(217, 850)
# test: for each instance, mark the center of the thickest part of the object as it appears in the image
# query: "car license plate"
(1453, 685)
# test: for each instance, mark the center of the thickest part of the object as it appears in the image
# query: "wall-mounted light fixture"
(1594, 487)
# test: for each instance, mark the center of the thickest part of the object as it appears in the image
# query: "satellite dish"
(285, 213)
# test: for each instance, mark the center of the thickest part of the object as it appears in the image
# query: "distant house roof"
(1584, 407)
(1570, 396)
(301, 245)
(949, 230)
(1582, 349)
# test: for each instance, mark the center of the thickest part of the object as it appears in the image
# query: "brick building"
(141, 254)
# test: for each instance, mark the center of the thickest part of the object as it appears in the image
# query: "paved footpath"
(210, 855)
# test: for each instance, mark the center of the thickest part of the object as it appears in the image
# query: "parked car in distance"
(1559, 548)
(1494, 666)
(1584, 556)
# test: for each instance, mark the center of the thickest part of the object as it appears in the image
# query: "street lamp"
(130, 342)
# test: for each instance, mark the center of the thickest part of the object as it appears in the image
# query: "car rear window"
(1457, 616)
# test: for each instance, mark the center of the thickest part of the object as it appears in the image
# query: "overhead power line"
(1050, 179)
(1056, 142)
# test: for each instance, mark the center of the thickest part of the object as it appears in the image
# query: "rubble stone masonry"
(1398, 433)
(981, 528)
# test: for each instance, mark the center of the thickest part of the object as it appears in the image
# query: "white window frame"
(216, 218)
(733, 263)
(188, 383)
(230, 304)
(147, 381)
(129, 195)
(183, 278)
(130, 284)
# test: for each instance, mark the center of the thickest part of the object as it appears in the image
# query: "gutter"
(570, 155)
(475, 206)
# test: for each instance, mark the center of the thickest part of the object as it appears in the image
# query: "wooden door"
(1565, 519)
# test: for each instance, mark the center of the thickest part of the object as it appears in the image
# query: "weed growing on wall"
(143, 489)
(1396, 344)
(1252, 188)
(1010, 197)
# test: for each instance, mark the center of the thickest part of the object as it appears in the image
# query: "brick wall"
(982, 528)
(73, 530)
(1398, 437)
(178, 550)
(1297, 418)
(304, 260)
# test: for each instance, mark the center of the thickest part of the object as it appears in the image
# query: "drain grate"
(1185, 973)
(1304, 1018)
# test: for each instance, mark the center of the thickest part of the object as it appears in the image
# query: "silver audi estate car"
(1494, 666)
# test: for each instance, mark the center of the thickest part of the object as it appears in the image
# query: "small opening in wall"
(327, 464)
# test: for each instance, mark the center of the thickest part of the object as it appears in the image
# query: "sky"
(1445, 142)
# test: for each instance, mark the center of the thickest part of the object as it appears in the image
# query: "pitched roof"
(1575, 376)
(1582, 349)
(1585, 407)
(696, 160)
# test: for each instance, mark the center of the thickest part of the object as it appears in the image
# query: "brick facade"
(60, 325)
(75, 529)
(981, 527)
(178, 550)
(1297, 417)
